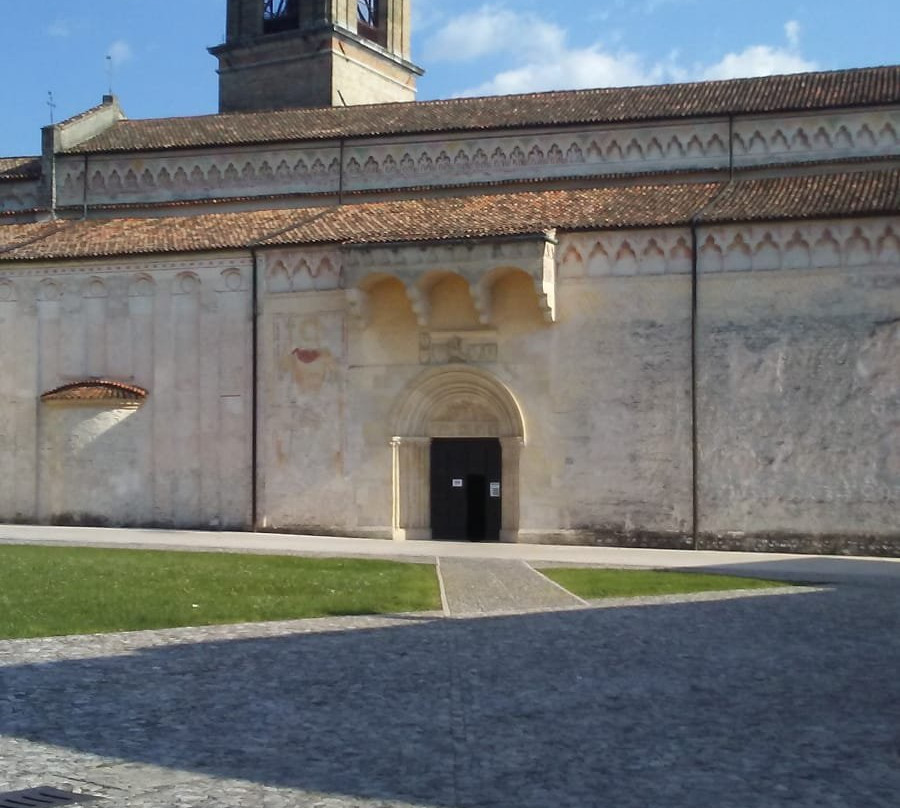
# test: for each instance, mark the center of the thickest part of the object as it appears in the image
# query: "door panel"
(466, 502)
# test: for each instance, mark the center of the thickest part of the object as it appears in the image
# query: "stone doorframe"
(455, 401)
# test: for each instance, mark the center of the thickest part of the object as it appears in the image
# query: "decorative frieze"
(793, 246)
(437, 348)
(637, 252)
(18, 196)
(211, 175)
(732, 248)
(519, 156)
(760, 141)
(53, 283)
(302, 271)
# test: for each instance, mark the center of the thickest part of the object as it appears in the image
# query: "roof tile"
(478, 216)
(20, 168)
(797, 92)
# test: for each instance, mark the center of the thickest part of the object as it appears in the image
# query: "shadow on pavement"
(764, 701)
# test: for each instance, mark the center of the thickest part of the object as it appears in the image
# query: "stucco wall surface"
(179, 329)
(799, 399)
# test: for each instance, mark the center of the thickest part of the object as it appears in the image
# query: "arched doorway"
(455, 407)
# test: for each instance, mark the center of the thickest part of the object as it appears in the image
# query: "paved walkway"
(807, 568)
(472, 586)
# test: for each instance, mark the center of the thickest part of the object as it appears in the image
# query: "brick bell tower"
(281, 54)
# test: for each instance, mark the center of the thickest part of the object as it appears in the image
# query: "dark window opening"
(281, 15)
(368, 21)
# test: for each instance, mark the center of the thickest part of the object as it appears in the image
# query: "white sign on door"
(457, 483)
(495, 490)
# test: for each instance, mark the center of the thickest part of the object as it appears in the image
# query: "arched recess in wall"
(456, 401)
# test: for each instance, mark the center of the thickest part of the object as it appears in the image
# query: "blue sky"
(161, 68)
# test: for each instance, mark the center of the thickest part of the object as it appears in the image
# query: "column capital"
(402, 440)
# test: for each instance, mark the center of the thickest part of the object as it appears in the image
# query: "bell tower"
(281, 54)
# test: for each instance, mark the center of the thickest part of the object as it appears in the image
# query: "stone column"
(412, 488)
(509, 526)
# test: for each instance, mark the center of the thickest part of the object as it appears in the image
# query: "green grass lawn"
(591, 583)
(49, 591)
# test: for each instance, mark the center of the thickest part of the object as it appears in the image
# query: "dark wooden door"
(466, 495)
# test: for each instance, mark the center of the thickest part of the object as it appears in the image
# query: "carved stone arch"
(49, 292)
(142, 286)
(7, 292)
(359, 297)
(94, 288)
(278, 279)
(186, 283)
(420, 291)
(456, 401)
(482, 291)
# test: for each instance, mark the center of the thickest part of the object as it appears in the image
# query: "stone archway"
(451, 402)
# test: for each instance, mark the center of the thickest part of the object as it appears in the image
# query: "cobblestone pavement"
(721, 701)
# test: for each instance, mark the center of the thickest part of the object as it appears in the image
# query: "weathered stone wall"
(619, 460)
(17, 196)
(800, 390)
(797, 347)
(180, 329)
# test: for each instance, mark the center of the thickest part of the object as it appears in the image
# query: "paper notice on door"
(495, 490)
(457, 483)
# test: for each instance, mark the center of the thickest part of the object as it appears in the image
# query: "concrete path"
(472, 586)
(806, 568)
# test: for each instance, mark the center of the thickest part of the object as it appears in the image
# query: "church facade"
(657, 316)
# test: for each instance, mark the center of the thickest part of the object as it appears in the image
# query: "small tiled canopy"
(98, 390)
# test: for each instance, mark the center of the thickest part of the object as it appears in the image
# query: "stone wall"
(180, 329)
(797, 339)
(799, 391)
(798, 342)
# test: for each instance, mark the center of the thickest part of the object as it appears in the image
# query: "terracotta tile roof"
(397, 220)
(124, 236)
(478, 216)
(860, 193)
(17, 235)
(500, 214)
(797, 92)
(96, 390)
(19, 168)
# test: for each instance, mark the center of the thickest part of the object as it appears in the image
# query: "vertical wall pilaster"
(509, 526)
(411, 483)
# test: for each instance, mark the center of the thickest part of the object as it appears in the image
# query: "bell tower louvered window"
(281, 15)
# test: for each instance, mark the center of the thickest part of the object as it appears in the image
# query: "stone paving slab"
(496, 586)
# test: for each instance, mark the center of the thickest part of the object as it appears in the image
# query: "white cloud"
(492, 29)
(120, 52)
(792, 32)
(575, 69)
(757, 60)
(550, 62)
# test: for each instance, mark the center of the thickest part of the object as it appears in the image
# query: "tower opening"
(280, 15)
